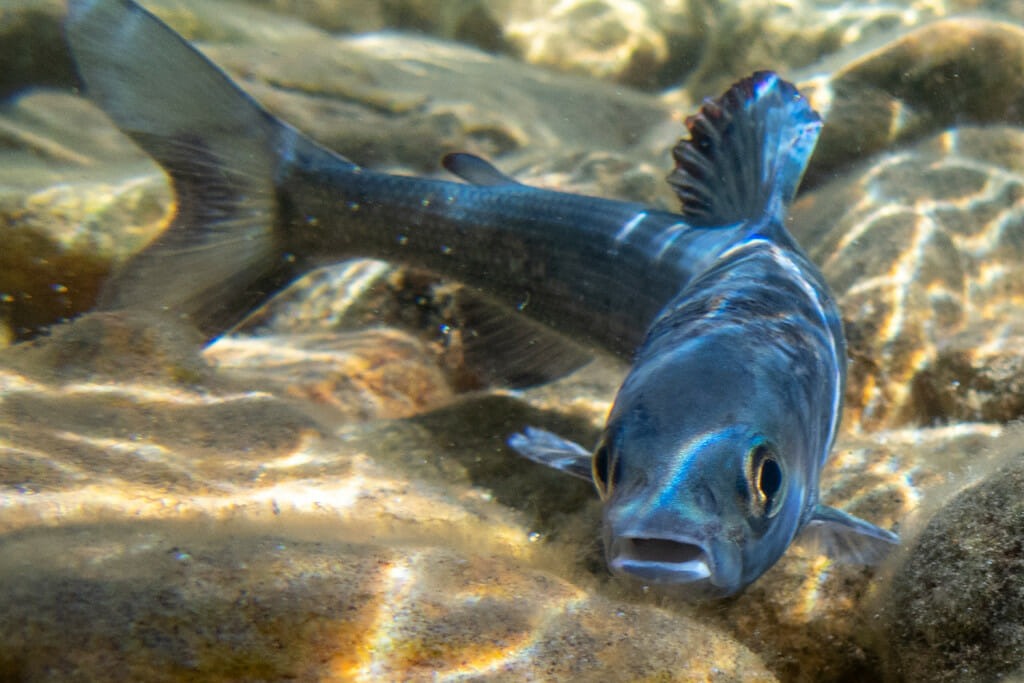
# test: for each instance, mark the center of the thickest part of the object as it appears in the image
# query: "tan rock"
(179, 601)
(922, 249)
(171, 529)
(955, 71)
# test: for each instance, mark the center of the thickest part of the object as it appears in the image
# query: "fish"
(708, 464)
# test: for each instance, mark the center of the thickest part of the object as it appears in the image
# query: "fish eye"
(764, 480)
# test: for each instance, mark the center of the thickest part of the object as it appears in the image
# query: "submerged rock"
(74, 199)
(955, 610)
(951, 72)
(468, 21)
(362, 375)
(143, 514)
(31, 49)
(704, 44)
(922, 247)
(323, 499)
(177, 601)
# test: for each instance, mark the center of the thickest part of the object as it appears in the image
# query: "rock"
(231, 22)
(42, 283)
(702, 45)
(113, 347)
(743, 36)
(956, 71)
(468, 21)
(954, 610)
(922, 250)
(146, 599)
(380, 548)
(387, 100)
(362, 375)
(977, 375)
(628, 42)
(31, 48)
(74, 199)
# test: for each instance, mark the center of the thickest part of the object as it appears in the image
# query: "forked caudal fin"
(746, 153)
(220, 149)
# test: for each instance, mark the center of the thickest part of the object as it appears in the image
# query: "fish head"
(706, 472)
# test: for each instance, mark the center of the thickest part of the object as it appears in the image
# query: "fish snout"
(661, 560)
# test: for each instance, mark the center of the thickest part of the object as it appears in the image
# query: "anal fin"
(502, 347)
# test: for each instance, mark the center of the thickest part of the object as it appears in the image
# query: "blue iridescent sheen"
(710, 459)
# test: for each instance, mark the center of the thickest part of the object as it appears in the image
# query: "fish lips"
(697, 568)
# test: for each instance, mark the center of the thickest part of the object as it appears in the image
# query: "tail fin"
(746, 153)
(222, 253)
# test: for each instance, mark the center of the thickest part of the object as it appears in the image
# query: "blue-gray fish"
(709, 463)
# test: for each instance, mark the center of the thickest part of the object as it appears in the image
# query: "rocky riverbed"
(326, 493)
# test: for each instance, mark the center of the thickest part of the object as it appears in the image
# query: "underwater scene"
(286, 439)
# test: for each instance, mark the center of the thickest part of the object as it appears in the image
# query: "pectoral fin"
(846, 538)
(552, 450)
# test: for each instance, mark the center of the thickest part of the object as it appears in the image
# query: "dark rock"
(972, 380)
(42, 283)
(955, 610)
(31, 47)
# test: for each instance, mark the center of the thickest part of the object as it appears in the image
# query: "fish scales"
(552, 255)
(709, 460)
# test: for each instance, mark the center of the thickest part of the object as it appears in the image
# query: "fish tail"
(746, 153)
(223, 250)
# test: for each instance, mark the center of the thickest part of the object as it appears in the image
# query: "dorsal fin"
(475, 170)
(746, 152)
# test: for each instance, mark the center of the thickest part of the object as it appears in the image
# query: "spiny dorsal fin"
(475, 170)
(746, 152)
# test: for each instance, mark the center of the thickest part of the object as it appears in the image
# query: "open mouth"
(660, 560)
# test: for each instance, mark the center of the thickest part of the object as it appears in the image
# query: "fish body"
(710, 458)
(596, 270)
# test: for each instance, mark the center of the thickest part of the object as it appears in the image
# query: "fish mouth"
(660, 560)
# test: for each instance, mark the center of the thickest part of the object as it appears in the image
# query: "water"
(317, 499)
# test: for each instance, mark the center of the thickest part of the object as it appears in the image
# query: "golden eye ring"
(599, 470)
(765, 480)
